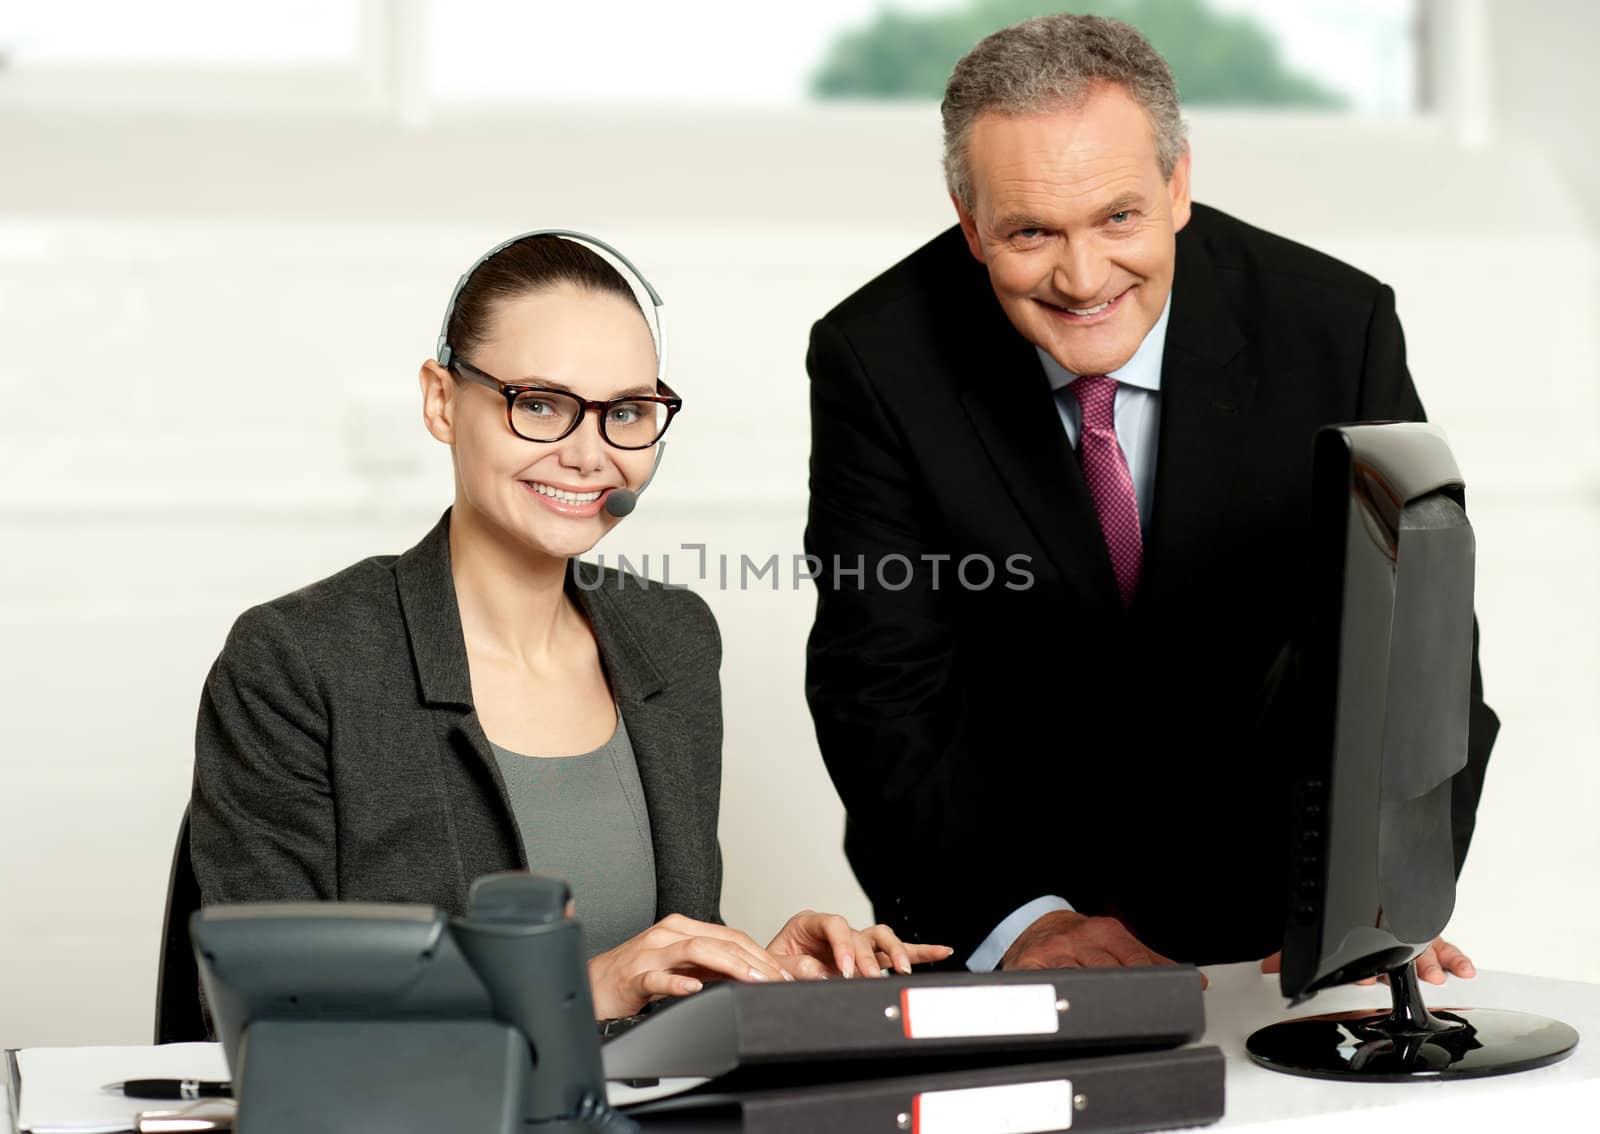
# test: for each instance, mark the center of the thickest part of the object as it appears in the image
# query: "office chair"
(179, 1018)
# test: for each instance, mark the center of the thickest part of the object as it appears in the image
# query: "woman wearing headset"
(486, 702)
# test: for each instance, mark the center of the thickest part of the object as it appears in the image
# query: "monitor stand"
(1411, 1043)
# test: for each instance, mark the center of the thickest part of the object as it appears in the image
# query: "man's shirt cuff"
(986, 957)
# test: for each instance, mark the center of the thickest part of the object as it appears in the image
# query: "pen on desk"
(172, 1089)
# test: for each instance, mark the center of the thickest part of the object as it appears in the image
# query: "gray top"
(583, 819)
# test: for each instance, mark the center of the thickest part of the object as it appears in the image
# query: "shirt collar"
(1142, 370)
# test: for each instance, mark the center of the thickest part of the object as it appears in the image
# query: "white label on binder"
(996, 1010)
(1020, 1108)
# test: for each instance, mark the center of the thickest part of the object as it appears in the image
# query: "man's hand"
(1064, 939)
(1442, 957)
(1433, 963)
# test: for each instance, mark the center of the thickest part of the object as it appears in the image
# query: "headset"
(620, 501)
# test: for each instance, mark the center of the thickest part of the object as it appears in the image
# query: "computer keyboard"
(609, 1029)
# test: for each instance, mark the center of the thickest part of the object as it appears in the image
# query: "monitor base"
(1411, 1043)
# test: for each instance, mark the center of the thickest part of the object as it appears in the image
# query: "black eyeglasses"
(536, 413)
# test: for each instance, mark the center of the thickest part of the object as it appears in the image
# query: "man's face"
(1076, 225)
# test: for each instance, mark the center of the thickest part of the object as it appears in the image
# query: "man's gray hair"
(1052, 61)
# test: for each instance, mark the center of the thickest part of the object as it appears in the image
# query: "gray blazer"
(338, 755)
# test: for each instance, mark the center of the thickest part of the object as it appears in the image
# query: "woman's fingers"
(878, 951)
(902, 956)
(688, 927)
(725, 958)
(848, 958)
(866, 955)
(803, 966)
(754, 963)
(833, 934)
(883, 940)
(875, 951)
(926, 954)
(675, 957)
(867, 949)
(653, 983)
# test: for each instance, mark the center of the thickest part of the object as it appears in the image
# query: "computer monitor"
(1372, 705)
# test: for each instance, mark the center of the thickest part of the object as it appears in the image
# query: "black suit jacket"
(338, 755)
(995, 744)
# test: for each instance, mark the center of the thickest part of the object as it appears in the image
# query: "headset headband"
(446, 352)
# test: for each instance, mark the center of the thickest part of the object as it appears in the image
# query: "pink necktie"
(1105, 473)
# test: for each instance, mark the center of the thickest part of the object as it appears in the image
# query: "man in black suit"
(1059, 477)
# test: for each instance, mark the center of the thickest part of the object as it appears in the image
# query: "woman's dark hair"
(533, 263)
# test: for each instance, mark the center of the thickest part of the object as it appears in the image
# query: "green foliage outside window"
(1218, 58)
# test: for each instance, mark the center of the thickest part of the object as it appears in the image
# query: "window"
(409, 56)
(179, 33)
(1352, 55)
(187, 54)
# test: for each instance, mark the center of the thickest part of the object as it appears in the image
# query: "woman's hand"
(674, 957)
(814, 946)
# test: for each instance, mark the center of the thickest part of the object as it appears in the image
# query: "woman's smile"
(566, 501)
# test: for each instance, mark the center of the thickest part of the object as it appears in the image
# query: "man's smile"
(1084, 316)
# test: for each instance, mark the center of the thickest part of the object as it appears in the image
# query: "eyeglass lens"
(547, 416)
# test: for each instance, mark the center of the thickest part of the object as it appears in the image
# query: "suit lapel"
(439, 652)
(1206, 397)
(1012, 409)
(433, 622)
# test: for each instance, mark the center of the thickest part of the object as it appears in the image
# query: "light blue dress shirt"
(1138, 418)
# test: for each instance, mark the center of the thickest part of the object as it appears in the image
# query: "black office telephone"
(353, 1016)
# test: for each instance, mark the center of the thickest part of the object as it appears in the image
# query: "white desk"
(1551, 1100)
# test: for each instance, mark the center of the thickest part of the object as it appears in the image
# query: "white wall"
(212, 329)
(1545, 85)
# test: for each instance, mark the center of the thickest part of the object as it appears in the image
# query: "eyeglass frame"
(511, 391)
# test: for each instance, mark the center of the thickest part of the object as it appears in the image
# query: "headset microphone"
(621, 501)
